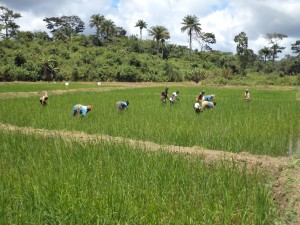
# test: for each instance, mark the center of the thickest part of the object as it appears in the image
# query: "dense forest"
(66, 54)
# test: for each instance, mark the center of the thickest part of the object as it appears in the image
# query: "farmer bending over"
(81, 110)
(44, 98)
(197, 107)
(122, 105)
(208, 97)
(200, 96)
(164, 95)
(207, 105)
(174, 97)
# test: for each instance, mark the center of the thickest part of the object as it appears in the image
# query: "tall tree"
(160, 34)
(274, 39)
(192, 26)
(296, 47)
(67, 26)
(204, 39)
(108, 28)
(7, 18)
(141, 24)
(242, 43)
(242, 50)
(96, 21)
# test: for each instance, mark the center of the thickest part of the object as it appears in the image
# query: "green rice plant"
(54, 181)
(269, 124)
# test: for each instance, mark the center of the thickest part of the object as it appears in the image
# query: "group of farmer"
(172, 99)
(82, 110)
(202, 102)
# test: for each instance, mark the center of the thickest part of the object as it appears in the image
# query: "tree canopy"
(64, 26)
(109, 55)
(7, 20)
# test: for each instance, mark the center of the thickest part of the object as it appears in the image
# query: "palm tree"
(265, 53)
(108, 28)
(96, 21)
(192, 25)
(160, 34)
(141, 24)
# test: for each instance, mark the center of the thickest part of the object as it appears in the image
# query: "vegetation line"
(111, 55)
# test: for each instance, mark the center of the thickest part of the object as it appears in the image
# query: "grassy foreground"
(53, 181)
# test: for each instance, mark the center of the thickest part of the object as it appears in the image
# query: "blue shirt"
(208, 97)
(81, 108)
(124, 105)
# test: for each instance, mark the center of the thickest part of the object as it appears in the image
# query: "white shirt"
(173, 97)
(197, 105)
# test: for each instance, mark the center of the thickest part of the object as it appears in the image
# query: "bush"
(127, 74)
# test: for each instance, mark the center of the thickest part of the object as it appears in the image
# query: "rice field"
(267, 125)
(53, 180)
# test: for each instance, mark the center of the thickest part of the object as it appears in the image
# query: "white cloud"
(32, 23)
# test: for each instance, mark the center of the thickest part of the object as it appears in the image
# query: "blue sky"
(114, 3)
(224, 18)
(219, 6)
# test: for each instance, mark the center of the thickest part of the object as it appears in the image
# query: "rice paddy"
(57, 180)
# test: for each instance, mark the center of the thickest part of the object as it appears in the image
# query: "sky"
(224, 18)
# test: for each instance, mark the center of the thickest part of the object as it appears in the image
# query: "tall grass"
(266, 125)
(51, 181)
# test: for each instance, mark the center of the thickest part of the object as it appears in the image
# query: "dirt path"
(56, 92)
(284, 170)
(107, 87)
(125, 85)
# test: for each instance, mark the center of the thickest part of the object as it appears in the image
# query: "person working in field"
(197, 107)
(81, 110)
(44, 98)
(208, 97)
(200, 97)
(207, 105)
(122, 105)
(247, 96)
(174, 97)
(164, 95)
